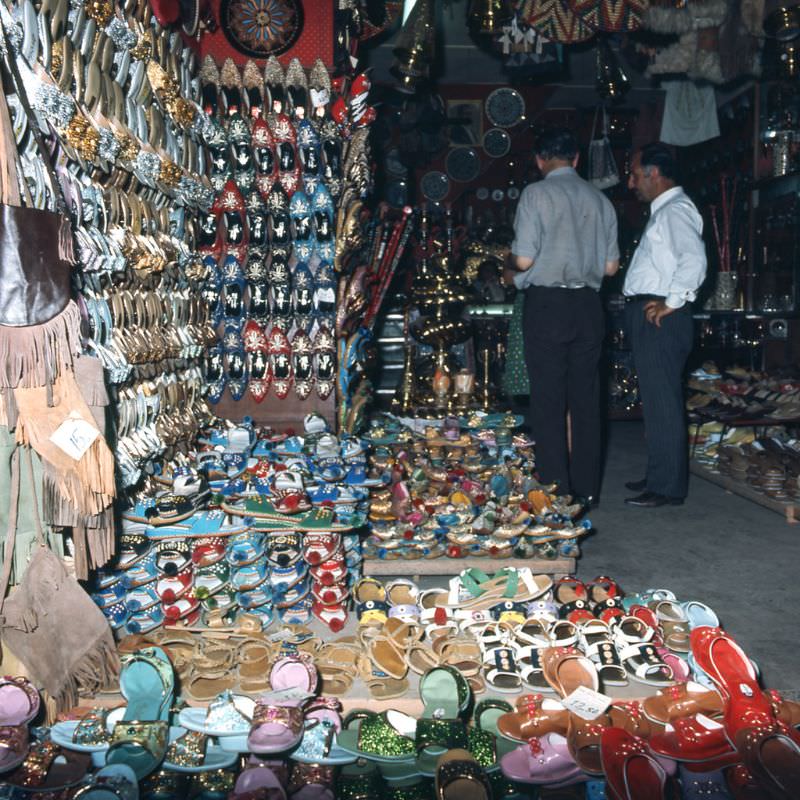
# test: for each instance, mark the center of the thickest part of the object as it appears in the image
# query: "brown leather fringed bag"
(48, 621)
(39, 324)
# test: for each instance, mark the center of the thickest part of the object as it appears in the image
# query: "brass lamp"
(489, 16)
(415, 45)
(612, 82)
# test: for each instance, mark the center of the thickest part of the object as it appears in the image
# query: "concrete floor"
(727, 552)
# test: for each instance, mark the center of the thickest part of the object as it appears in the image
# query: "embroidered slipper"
(335, 617)
(303, 296)
(283, 549)
(48, 767)
(244, 548)
(302, 219)
(285, 146)
(280, 224)
(194, 752)
(228, 714)
(302, 363)
(265, 161)
(132, 547)
(280, 353)
(325, 362)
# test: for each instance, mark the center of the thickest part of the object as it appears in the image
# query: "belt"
(644, 298)
(562, 286)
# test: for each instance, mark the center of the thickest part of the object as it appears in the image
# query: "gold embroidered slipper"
(196, 752)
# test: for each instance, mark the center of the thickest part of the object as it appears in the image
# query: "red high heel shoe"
(718, 655)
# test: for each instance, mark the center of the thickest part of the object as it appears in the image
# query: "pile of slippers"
(251, 525)
(464, 487)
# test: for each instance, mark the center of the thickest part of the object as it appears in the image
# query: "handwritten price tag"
(74, 436)
(586, 703)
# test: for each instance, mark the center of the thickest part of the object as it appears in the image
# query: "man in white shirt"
(666, 271)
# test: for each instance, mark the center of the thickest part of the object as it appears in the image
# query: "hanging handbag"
(36, 250)
(48, 621)
(603, 172)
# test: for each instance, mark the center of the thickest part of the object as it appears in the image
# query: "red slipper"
(330, 571)
(335, 617)
(280, 354)
(334, 595)
(286, 151)
(208, 551)
(254, 338)
(264, 151)
(631, 771)
(320, 547)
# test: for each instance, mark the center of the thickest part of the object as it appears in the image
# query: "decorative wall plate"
(463, 164)
(435, 185)
(496, 142)
(505, 107)
(261, 28)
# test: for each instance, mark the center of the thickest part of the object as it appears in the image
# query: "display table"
(789, 510)
(454, 566)
(359, 697)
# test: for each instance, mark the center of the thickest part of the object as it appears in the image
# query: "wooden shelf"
(453, 566)
(790, 511)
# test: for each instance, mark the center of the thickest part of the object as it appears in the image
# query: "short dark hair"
(557, 143)
(659, 155)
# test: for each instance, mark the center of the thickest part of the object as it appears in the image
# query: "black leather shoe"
(587, 501)
(653, 500)
(637, 486)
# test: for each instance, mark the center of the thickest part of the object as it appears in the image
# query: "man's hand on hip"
(508, 276)
(656, 310)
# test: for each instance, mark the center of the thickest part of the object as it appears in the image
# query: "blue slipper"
(140, 739)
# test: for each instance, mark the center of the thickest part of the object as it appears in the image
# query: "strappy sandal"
(253, 658)
(49, 768)
(500, 669)
(337, 664)
(597, 644)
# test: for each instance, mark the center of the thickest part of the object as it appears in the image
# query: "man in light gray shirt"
(565, 242)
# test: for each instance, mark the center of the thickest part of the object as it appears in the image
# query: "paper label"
(74, 436)
(284, 695)
(586, 703)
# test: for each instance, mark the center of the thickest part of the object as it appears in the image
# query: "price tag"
(74, 436)
(586, 703)
(285, 695)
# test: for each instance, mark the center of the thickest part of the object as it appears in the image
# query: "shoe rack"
(289, 161)
(116, 96)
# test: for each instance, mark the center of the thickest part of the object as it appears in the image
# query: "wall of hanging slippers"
(113, 98)
(289, 158)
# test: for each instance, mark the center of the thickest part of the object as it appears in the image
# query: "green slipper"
(388, 736)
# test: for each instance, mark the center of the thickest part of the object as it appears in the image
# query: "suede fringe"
(93, 536)
(66, 250)
(35, 355)
(95, 469)
(98, 670)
